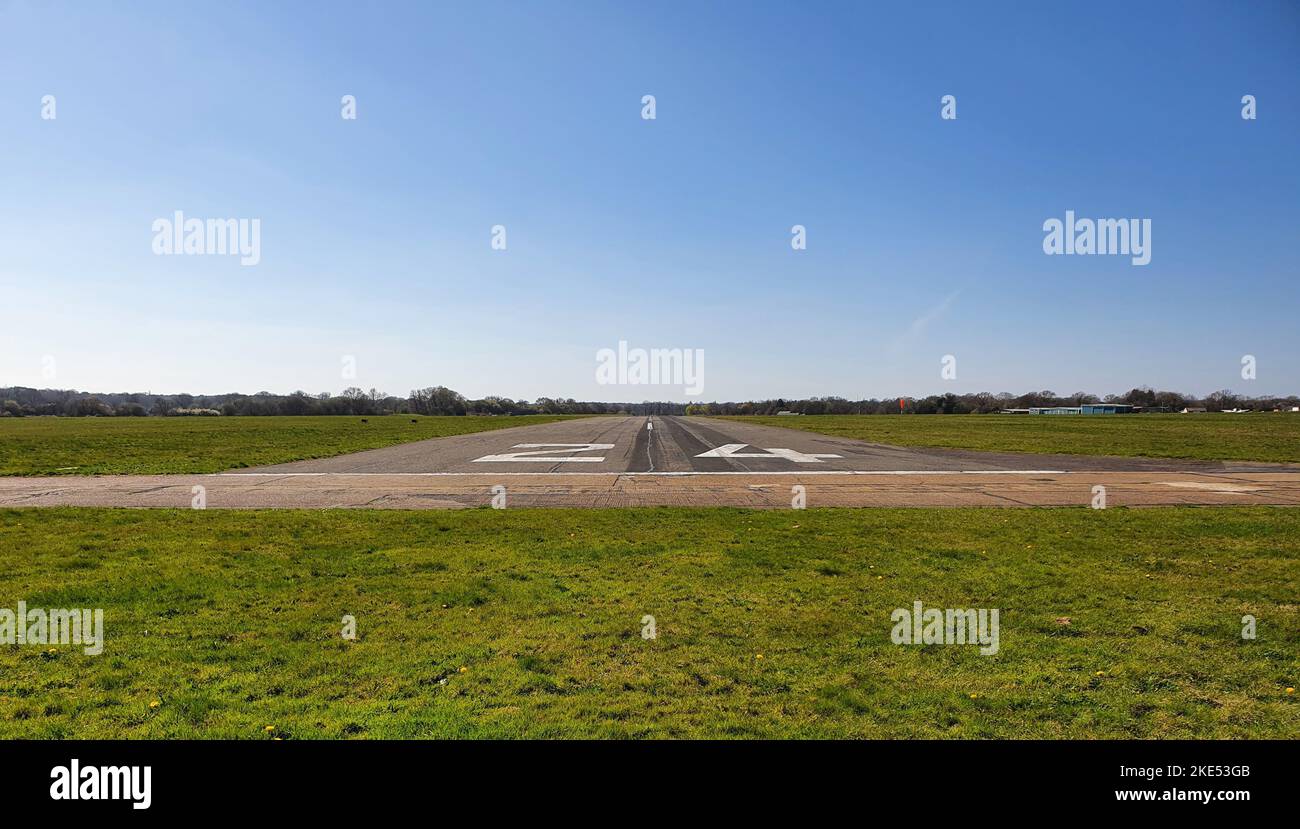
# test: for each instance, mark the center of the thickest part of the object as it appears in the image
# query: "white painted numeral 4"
(540, 450)
(732, 450)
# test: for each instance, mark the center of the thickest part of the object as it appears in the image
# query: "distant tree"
(297, 403)
(1172, 400)
(88, 407)
(1139, 397)
(356, 402)
(1222, 399)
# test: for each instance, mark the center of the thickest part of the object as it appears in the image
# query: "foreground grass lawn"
(159, 445)
(1244, 437)
(527, 623)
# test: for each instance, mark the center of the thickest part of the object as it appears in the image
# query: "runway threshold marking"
(645, 474)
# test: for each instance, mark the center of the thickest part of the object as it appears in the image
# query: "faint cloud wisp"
(919, 325)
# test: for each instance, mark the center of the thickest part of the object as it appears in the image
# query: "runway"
(676, 461)
(702, 445)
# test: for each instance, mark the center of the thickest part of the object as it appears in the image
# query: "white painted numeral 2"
(539, 453)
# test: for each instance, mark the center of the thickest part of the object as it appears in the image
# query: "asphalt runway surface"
(676, 461)
(692, 444)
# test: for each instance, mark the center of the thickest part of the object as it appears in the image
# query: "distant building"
(1194, 410)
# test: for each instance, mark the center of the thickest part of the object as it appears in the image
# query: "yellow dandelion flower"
(463, 669)
(155, 704)
(1290, 690)
(269, 728)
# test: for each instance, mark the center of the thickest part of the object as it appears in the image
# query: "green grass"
(1247, 437)
(526, 623)
(160, 445)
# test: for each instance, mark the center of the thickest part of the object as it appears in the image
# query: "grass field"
(159, 445)
(1247, 437)
(527, 623)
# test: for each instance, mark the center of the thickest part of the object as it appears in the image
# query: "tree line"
(18, 401)
(989, 403)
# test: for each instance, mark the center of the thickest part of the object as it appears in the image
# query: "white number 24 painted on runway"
(540, 450)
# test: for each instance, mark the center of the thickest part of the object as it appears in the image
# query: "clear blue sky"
(924, 235)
